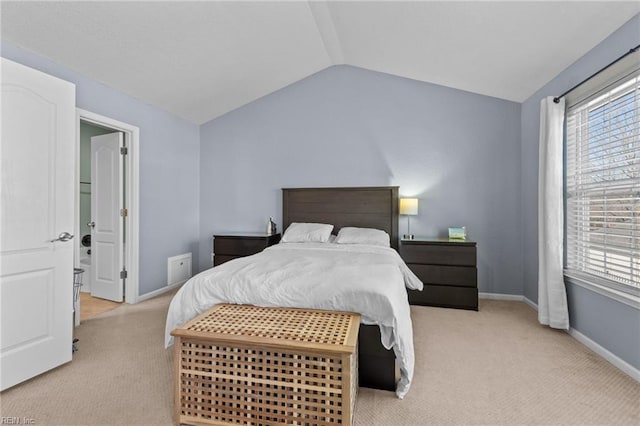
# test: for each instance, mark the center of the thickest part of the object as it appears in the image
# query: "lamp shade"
(409, 206)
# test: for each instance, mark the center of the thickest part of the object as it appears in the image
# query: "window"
(603, 187)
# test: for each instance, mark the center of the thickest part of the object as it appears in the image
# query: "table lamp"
(408, 207)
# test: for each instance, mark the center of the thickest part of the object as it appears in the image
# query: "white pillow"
(350, 235)
(307, 232)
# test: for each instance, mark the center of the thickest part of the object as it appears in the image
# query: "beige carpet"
(496, 366)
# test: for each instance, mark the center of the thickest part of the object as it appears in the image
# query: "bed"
(284, 275)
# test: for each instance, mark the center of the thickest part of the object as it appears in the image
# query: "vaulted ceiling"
(202, 59)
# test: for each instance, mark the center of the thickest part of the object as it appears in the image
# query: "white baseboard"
(621, 364)
(160, 291)
(531, 303)
(511, 297)
(500, 296)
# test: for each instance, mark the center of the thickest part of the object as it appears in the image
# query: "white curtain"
(552, 296)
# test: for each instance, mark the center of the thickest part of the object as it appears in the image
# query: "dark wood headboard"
(364, 207)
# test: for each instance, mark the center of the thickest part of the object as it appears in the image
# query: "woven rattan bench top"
(276, 327)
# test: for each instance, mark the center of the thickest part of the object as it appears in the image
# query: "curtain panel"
(552, 296)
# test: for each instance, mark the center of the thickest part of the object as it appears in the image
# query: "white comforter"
(366, 279)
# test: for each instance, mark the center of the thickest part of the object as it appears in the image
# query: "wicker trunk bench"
(241, 364)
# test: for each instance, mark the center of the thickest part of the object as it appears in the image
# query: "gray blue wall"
(458, 152)
(611, 324)
(169, 167)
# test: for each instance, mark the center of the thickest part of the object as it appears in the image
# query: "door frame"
(132, 184)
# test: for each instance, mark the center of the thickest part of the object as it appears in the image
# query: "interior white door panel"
(37, 191)
(106, 204)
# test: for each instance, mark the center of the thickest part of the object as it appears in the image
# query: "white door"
(106, 206)
(37, 191)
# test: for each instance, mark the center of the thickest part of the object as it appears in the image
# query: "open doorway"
(106, 213)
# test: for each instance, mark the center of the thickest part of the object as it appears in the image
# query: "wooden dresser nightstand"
(233, 245)
(448, 270)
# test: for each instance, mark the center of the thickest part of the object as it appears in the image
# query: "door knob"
(91, 224)
(64, 236)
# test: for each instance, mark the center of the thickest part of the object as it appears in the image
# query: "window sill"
(622, 297)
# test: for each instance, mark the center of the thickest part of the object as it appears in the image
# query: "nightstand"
(233, 245)
(448, 270)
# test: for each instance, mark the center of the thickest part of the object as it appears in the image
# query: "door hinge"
(123, 274)
(124, 212)
(124, 150)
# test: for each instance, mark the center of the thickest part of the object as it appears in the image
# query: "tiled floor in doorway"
(91, 306)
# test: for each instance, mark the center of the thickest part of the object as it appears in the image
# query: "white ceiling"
(200, 60)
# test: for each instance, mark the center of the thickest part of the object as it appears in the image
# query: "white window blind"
(603, 186)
